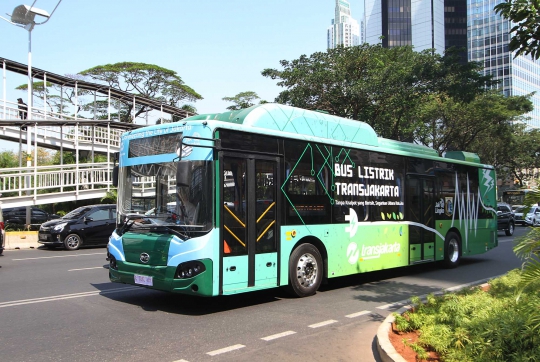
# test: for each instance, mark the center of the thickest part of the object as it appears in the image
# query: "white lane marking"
(322, 324)
(279, 335)
(225, 350)
(181, 360)
(65, 296)
(59, 256)
(396, 304)
(96, 267)
(358, 314)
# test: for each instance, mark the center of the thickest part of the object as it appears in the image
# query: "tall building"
(470, 24)
(488, 38)
(405, 22)
(344, 29)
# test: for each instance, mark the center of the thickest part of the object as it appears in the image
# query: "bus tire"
(72, 242)
(452, 250)
(305, 270)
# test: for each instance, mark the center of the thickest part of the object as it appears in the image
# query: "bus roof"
(296, 121)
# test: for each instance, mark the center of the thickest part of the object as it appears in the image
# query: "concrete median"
(21, 240)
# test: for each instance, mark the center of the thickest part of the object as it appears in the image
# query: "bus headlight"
(189, 269)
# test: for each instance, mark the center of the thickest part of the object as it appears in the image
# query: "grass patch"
(477, 325)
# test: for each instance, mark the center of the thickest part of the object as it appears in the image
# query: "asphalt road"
(60, 306)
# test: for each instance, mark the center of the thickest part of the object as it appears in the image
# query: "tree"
(383, 87)
(451, 124)
(8, 159)
(243, 100)
(147, 80)
(525, 14)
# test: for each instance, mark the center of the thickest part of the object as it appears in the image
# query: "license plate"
(143, 280)
(42, 237)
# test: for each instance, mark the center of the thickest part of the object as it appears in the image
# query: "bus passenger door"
(248, 223)
(420, 210)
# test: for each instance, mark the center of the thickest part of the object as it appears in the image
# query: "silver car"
(533, 216)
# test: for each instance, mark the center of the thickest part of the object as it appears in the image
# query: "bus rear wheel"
(305, 270)
(452, 250)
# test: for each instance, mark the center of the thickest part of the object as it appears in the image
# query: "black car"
(86, 225)
(17, 215)
(505, 218)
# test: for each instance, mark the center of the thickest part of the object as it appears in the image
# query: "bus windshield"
(169, 196)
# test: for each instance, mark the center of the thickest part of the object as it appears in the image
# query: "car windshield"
(77, 213)
(520, 209)
(170, 197)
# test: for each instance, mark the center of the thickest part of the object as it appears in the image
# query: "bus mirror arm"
(216, 145)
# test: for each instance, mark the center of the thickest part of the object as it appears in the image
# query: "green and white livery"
(279, 196)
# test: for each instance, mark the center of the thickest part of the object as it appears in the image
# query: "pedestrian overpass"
(33, 184)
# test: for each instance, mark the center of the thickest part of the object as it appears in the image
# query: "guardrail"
(21, 181)
(83, 134)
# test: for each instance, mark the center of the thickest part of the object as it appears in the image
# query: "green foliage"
(420, 351)
(110, 198)
(8, 159)
(242, 100)
(525, 15)
(405, 95)
(149, 80)
(474, 325)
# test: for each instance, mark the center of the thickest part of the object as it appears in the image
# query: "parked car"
(17, 215)
(505, 218)
(1, 232)
(86, 225)
(533, 216)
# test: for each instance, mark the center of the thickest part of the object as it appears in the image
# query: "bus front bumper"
(163, 278)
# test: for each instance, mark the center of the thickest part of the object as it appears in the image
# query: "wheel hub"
(307, 270)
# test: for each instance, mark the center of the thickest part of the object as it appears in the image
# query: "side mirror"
(87, 219)
(183, 173)
(499, 212)
(115, 176)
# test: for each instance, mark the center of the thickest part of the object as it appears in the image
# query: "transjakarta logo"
(353, 253)
(375, 252)
(352, 218)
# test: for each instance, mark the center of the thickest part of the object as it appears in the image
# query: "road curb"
(387, 352)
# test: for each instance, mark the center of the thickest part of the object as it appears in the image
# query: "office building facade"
(419, 23)
(488, 38)
(469, 24)
(344, 29)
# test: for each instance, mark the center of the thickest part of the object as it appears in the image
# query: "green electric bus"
(272, 195)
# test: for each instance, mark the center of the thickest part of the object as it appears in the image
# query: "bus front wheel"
(305, 270)
(452, 250)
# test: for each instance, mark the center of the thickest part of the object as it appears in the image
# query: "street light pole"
(23, 16)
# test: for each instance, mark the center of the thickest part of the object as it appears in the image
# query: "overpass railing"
(24, 181)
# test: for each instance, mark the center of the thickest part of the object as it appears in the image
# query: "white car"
(533, 216)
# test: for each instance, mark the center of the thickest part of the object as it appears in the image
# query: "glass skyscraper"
(488, 38)
(344, 29)
(469, 24)
(419, 23)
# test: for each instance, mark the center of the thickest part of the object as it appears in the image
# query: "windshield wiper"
(127, 224)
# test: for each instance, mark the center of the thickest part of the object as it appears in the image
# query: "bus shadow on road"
(378, 286)
(382, 286)
(154, 300)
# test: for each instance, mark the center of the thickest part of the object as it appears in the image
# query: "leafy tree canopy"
(243, 100)
(525, 14)
(148, 80)
(383, 87)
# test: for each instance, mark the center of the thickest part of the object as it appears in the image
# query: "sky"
(217, 47)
